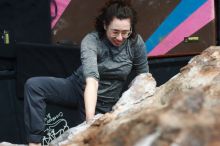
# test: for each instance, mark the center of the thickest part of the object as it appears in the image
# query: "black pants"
(38, 91)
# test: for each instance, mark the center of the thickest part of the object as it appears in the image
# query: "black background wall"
(10, 112)
(26, 20)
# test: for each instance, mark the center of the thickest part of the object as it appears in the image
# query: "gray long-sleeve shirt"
(110, 65)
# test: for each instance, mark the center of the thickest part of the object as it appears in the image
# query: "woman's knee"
(33, 83)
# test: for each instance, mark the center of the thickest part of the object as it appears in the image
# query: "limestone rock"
(142, 87)
(182, 112)
(10, 144)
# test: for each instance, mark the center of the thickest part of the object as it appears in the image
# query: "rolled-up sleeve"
(89, 56)
(140, 63)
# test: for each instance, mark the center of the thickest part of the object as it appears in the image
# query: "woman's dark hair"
(120, 9)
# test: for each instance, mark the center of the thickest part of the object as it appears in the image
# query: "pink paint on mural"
(196, 21)
(61, 6)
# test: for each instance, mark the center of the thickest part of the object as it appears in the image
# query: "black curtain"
(26, 20)
(44, 60)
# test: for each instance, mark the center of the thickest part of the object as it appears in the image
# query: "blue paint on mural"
(183, 10)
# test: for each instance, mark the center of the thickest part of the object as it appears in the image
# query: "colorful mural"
(57, 9)
(168, 27)
(188, 17)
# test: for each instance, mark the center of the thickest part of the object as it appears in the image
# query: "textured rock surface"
(182, 112)
(185, 111)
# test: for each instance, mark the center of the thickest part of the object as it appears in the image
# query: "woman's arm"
(90, 97)
(140, 63)
(90, 73)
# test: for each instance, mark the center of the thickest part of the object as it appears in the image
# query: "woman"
(107, 54)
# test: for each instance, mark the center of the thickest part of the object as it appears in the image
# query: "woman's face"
(118, 31)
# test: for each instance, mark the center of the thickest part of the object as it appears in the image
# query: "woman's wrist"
(89, 119)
